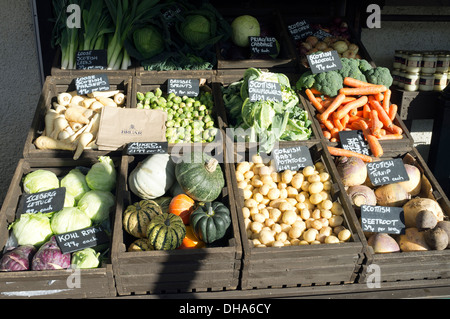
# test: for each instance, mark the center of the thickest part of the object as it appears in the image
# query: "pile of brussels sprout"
(189, 119)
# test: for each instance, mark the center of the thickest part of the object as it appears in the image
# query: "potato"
(425, 220)
(445, 225)
(412, 240)
(436, 238)
(415, 205)
(383, 243)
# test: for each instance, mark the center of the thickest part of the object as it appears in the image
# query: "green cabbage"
(102, 175)
(148, 41)
(97, 205)
(32, 229)
(75, 184)
(69, 219)
(243, 27)
(196, 30)
(69, 200)
(40, 181)
(85, 259)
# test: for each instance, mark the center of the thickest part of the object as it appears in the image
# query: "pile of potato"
(72, 121)
(290, 207)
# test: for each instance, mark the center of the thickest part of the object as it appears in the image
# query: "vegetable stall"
(186, 149)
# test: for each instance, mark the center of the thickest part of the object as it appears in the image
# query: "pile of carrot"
(358, 106)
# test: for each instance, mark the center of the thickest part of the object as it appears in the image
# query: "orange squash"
(190, 240)
(182, 205)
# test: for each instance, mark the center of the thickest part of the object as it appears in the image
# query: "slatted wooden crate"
(52, 87)
(213, 268)
(93, 283)
(302, 265)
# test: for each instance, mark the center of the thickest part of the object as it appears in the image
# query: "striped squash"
(138, 215)
(140, 244)
(164, 203)
(166, 232)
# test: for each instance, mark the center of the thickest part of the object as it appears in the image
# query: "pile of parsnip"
(72, 122)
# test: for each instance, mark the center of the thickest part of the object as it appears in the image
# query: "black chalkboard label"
(43, 202)
(263, 45)
(92, 83)
(264, 91)
(81, 239)
(184, 87)
(300, 30)
(91, 60)
(387, 172)
(292, 158)
(321, 34)
(354, 141)
(147, 148)
(382, 219)
(324, 61)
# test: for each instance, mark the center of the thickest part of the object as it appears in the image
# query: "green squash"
(166, 232)
(210, 221)
(200, 176)
(164, 202)
(137, 216)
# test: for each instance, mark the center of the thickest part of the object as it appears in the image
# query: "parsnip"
(60, 109)
(48, 143)
(88, 113)
(64, 98)
(94, 124)
(92, 145)
(84, 140)
(119, 98)
(106, 101)
(103, 93)
(49, 120)
(75, 126)
(73, 115)
(72, 138)
(77, 99)
(76, 106)
(59, 124)
(88, 102)
(96, 106)
(63, 135)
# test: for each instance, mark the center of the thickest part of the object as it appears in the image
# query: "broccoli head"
(364, 65)
(328, 83)
(305, 81)
(379, 75)
(350, 68)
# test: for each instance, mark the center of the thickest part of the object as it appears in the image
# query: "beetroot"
(17, 259)
(50, 257)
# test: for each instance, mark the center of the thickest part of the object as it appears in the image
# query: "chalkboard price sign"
(324, 61)
(387, 172)
(43, 202)
(92, 83)
(264, 91)
(147, 148)
(81, 239)
(263, 45)
(91, 60)
(300, 30)
(354, 141)
(382, 219)
(292, 158)
(184, 87)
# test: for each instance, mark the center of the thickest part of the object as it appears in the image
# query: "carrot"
(376, 127)
(394, 129)
(350, 106)
(337, 123)
(384, 118)
(393, 111)
(333, 106)
(314, 91)
(326, 134)
(373, 142)
(345, 120)
(313, 100)
(336, 151)
(366, 111)
(365, 90)
(334, 140)
(348, 99)
(335, 133)
(353, 119)
(356, 83)
(387, 100)
(391, 137)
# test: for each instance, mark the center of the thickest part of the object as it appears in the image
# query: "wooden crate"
(175, 74)
(303, 265)
(214, 268)
(150, 83)
(94, 283)
(417, 105)
(406, 141)
(57, 71)
(407, 266)
(270, 18)
(52, 86)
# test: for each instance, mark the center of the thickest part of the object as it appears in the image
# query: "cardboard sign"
(81, 239)
(183, 87)
(382, 219)
(264, 91)
(147, 148)
(354, 141)
(387, 172)
(324, 61)
(292, 158)
(91, 60)
(92, 83)
(263, 45)
(43, 202)
(300, 30)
